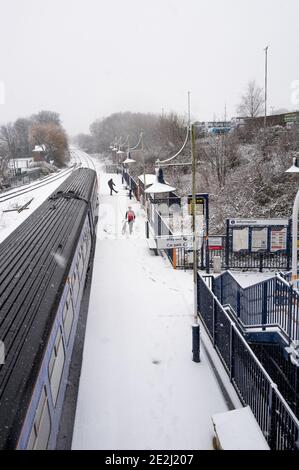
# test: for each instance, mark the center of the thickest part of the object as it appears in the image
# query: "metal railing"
(252, 383)
(271, 302)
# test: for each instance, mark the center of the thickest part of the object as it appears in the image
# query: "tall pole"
(266, 85)
(194, 221)
(195, 326)
(144, 177)
(294, 238)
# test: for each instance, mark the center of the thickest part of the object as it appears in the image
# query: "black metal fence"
(248, 260)
(131, 184)
(271, 302)
(24, 178)
(254, 386)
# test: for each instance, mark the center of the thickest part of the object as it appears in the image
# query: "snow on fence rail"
(254, 386)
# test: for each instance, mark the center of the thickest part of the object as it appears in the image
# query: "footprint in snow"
(156, 362)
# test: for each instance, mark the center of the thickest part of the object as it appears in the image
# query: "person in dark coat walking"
(111, 184)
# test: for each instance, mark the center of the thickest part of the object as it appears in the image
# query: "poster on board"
(259, 240)
(240, 239)
(278, 239)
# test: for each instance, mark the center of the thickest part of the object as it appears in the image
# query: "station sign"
(258, 222)
(174, 241)
(200, 203)
(215, 243)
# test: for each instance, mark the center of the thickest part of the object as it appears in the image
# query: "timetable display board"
(278, 239)
(241, 239)
(259, 239)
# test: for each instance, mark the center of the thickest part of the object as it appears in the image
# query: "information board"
(201, 200)
(241, 239)
(259, 240)
(278, 239)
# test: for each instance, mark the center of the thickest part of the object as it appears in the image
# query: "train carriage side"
(33, 380)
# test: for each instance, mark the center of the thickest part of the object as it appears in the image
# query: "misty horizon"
(91, 59)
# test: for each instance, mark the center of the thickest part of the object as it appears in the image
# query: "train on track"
(43, 269)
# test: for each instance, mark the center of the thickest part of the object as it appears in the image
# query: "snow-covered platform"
(139, 388)
(238, 430)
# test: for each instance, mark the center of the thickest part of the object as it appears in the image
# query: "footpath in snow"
(139, 388)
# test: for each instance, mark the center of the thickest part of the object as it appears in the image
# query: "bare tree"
(221, 155)
(47, 117)
(252, 101)
(22, 130)
(8, 140)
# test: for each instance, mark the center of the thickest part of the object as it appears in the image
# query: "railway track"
(82, 156)
(80, 159)
(44, 182)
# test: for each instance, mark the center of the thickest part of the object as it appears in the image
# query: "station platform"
(139, 388)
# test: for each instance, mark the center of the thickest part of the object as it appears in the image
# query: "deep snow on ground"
(139, 388)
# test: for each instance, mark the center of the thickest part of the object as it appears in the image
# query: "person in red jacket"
(130, 218)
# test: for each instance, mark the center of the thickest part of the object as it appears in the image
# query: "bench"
(238, 430)
(152, 245)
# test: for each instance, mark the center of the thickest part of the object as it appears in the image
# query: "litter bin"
(217, 264)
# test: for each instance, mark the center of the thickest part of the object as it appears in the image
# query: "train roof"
(31, 284)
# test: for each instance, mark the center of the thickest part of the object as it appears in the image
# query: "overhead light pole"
(266, 85)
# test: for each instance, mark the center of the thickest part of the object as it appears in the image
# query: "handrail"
(258, 294)
(277, 412)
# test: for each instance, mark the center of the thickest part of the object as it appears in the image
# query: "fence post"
(227, 245)
(174, 258)
(231, 353)
(238, 302)
(214, 321)
(289, 245)
(264, 305)
(290, 319)
(272, 417)
(221, 289)
(261, 262)
(202, 254)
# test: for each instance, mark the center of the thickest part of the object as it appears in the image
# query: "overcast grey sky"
(89, 58)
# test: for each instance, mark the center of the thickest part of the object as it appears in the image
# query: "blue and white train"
(43, 268)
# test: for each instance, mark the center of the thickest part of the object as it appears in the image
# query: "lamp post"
(266, 85)
(295, 169)
(114, 149)
(118, 153)
(195, 326)
(128, 161)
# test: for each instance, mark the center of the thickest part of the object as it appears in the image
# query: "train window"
(68, 317)
(41, 428)
(56, 365)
